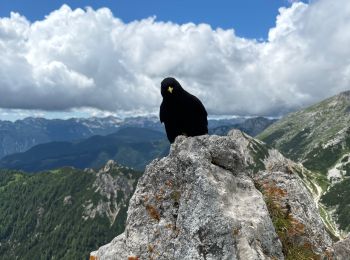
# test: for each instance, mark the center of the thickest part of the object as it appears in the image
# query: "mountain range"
(21, 135)
(134, 143)
(304, 206)
(130, 146)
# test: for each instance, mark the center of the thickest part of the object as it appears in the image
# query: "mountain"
(21, 135)
(222, 121)
(319, 137)
(228, 197)
(316, 135)
(151, 122)
(251, 126)
(134, 142)
(130, 146)
(154, 123)
(62, 214)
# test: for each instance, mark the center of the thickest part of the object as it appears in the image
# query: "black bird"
(181, 112)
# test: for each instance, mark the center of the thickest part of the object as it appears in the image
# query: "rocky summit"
(222, 198)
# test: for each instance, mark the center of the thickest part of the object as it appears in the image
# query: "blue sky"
(249, 18)
(240, 57)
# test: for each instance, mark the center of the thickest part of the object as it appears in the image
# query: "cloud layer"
(91, 59)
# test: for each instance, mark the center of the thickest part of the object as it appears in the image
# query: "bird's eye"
(170, 89)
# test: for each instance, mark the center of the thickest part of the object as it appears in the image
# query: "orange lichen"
(169, 226)
(133, 258)
(153, 212)
(169, 183)
(297, 227)
(145, 198)
(235, 231)
(92, 257)
(159, 195)
(273, 191)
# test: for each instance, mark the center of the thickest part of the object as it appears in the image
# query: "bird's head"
(170, 88)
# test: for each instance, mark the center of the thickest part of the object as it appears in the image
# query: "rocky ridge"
(251, 126)
(313, 134)
(115, 187)
(222, 198)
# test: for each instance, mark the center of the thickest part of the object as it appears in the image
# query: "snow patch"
(335, 175)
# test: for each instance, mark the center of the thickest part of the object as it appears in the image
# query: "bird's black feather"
(181, 112)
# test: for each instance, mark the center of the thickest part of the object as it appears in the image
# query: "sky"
(98, 58)
(249, 18)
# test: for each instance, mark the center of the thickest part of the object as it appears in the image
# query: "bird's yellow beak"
(170, 89)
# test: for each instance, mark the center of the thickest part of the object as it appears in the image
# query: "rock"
(342, 249)
(291, 206)
(115, 186)
(67, 200)
(202, 201)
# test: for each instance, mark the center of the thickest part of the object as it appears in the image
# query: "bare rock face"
(342, 249)
(220, 198)
(115, 187)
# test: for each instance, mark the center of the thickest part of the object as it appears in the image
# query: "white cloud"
(89, 58)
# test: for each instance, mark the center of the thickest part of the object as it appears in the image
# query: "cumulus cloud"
(91, 59)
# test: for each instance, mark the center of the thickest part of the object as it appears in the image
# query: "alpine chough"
(181, 112)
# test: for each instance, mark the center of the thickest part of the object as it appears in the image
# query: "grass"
(289, 230)
(327, 220)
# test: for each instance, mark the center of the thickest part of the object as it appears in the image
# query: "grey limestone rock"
(342, 249)
(204, 201)
(114, 188)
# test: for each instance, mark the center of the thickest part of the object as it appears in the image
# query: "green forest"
(41, 215)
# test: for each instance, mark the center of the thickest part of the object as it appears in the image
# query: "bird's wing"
(162, 112)
(199, 108)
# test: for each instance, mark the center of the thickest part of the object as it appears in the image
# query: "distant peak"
(110, 165)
